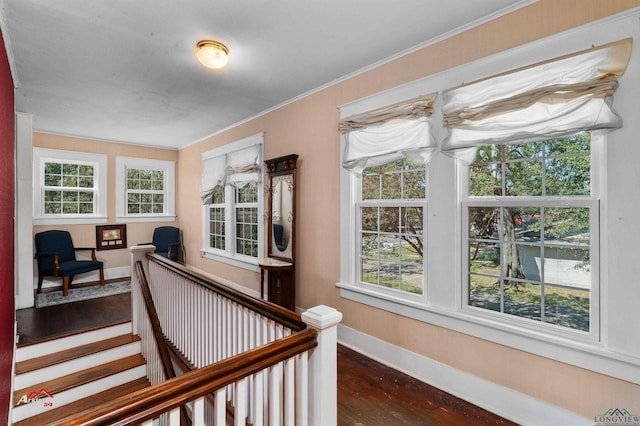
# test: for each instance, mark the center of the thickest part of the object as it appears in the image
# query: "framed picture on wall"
(110, 237)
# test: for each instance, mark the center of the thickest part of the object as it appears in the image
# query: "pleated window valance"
(388, 134)
(556, 98)
(236, 168)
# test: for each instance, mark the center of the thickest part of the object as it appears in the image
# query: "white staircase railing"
(253, 362)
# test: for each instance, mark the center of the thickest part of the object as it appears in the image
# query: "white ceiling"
(125, 70)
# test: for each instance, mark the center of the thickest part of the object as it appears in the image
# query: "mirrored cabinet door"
(281, 224)
(281, 187)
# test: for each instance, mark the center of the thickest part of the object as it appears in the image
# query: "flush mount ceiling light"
(212, 54)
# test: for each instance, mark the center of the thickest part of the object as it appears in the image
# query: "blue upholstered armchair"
(167, 242)
(56, 257)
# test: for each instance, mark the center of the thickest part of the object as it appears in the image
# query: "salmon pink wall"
(7, 201)
(85, 235)
(308, 127)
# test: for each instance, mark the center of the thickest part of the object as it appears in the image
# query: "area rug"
(50, 298)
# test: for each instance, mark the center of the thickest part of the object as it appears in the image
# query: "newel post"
(138, 253)
(323, 365)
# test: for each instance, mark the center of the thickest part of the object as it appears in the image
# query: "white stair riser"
(53, 346)
(54, 371)
(24, 411)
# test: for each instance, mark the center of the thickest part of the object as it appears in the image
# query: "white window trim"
(99, 161)
(169, 169)
(445, 309)
(229, 256)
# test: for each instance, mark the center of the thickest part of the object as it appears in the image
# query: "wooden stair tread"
(55, 414)
(82, 377)
(74, 353)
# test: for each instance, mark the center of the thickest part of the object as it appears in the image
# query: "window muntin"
(69, 188)
(391, 226)
(145, 191)
(246, 209)
(217, 219)
(530, 216)
(232, 230)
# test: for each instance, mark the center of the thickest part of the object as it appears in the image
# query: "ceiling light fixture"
(212, 54)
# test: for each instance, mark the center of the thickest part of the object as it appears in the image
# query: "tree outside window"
(391, 212)
(529, 215)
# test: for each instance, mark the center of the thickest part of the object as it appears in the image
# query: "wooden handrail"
(267, 309)
(155, 323)
(149, 403)
(158, 335)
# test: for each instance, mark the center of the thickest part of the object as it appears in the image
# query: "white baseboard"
(505, 402)
(93, 276)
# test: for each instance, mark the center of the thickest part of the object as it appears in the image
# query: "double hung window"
(531, 226)
(386, 151)
(391, 217)
(145, 189)
(232, 202)
(71, 187)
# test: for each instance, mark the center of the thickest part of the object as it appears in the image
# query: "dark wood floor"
(369, 393)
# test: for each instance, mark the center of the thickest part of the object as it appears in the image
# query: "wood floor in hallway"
(369, 393)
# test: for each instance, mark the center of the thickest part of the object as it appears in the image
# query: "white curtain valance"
(395, 140)
(556, 98)
(411, 109)
(237, 168)
(212, 176)
(243, 166)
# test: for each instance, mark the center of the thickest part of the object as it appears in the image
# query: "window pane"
(85, 170)
(389, 219)
(70, 169)
(414, 184)
(85, 182)
(522, 151)
(567, 307)
(484, 292)
(483, 223)
(389, 274)
(70, 181)
(411, 220)
(390, 247)
(53, 169)
(247, 230)
(53, 180)
(522, 299)
(391, 186)
(523, 178)
(369, 218)
(567, 225)
(568, 267)
(70, 208)
(568, 176)
(218, 195)
(247, 194)
(370, 186)
(217, 228)
(52, 196)
(370, 271)
(532, 262)
(370, 245)
(52, 208)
